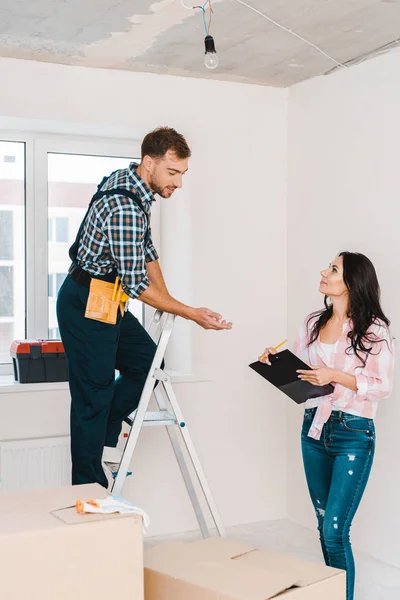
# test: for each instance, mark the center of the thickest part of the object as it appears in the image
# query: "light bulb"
(211, 60)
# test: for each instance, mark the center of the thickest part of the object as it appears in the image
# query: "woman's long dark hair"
(360, 278)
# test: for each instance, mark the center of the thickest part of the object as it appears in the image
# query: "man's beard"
(156, 188)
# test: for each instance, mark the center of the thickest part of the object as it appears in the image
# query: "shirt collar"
(139, 185)
(347, 324)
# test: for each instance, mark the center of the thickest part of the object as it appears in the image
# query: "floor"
(375, 580)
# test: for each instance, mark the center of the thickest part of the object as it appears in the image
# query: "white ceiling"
(163, 37)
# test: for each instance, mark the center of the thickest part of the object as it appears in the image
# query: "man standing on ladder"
(113, 259)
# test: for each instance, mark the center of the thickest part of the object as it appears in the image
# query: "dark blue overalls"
(99, 403)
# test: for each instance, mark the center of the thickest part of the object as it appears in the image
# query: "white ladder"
(170, 416)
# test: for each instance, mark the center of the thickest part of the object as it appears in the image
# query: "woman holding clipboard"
(347, 344)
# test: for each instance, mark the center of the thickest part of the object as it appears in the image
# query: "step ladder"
(169, 415)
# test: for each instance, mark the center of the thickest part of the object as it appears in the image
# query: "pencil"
(275, 348)
(279, 345)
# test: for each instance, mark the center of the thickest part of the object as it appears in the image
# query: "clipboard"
(282, 374)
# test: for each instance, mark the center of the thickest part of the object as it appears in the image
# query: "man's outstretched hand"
(208, 319)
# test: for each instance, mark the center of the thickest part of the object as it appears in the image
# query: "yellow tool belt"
(104, 300)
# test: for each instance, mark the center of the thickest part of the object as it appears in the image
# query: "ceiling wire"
(203, 9)
(211, 14)
(371, 54)
(338, 64)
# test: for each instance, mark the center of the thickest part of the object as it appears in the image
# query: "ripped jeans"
(337, 469)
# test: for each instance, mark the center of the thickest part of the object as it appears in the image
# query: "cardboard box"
(220, 569)
(50, 552)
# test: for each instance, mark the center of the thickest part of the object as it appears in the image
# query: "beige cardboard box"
(219, 569)
(49, 552)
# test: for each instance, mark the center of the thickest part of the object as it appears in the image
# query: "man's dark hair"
(157, 143)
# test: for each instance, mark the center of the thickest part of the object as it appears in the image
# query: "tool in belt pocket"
(104, 301)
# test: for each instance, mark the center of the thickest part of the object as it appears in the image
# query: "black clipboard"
(282, 374)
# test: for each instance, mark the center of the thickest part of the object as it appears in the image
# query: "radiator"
(35, 463)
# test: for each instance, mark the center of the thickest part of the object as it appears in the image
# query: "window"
(46, 184)
(7, 334)
(6, 292)
(6, 234)
(12, 245)
(45, 187)
(54, 334)
(55, 282)
(58, 230)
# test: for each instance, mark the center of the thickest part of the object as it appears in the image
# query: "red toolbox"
(37, 361)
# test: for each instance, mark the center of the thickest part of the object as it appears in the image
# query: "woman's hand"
(264, 357)
(318, 375)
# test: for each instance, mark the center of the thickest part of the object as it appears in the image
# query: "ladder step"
(161, 417)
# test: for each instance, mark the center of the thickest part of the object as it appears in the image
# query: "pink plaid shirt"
(374, 381)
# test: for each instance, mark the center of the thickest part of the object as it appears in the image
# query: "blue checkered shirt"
(114, 234)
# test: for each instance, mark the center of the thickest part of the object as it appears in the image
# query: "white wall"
(236, 195)
(344, 133)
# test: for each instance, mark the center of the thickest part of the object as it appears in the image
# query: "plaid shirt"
(374, 381)
(113, 236)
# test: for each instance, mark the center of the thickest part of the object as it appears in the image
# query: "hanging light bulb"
(211, 60)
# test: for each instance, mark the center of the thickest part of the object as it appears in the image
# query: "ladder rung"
(161, 417)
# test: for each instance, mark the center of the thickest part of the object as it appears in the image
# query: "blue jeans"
(337, 469)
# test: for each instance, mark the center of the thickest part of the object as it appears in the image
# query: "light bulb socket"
(209, 44)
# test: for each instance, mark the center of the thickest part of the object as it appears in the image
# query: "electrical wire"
(358, 60)
(203, 9)
(211, 14)
(339, 64)
(204, 17)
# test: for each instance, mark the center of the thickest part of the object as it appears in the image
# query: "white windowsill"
(8, 385)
